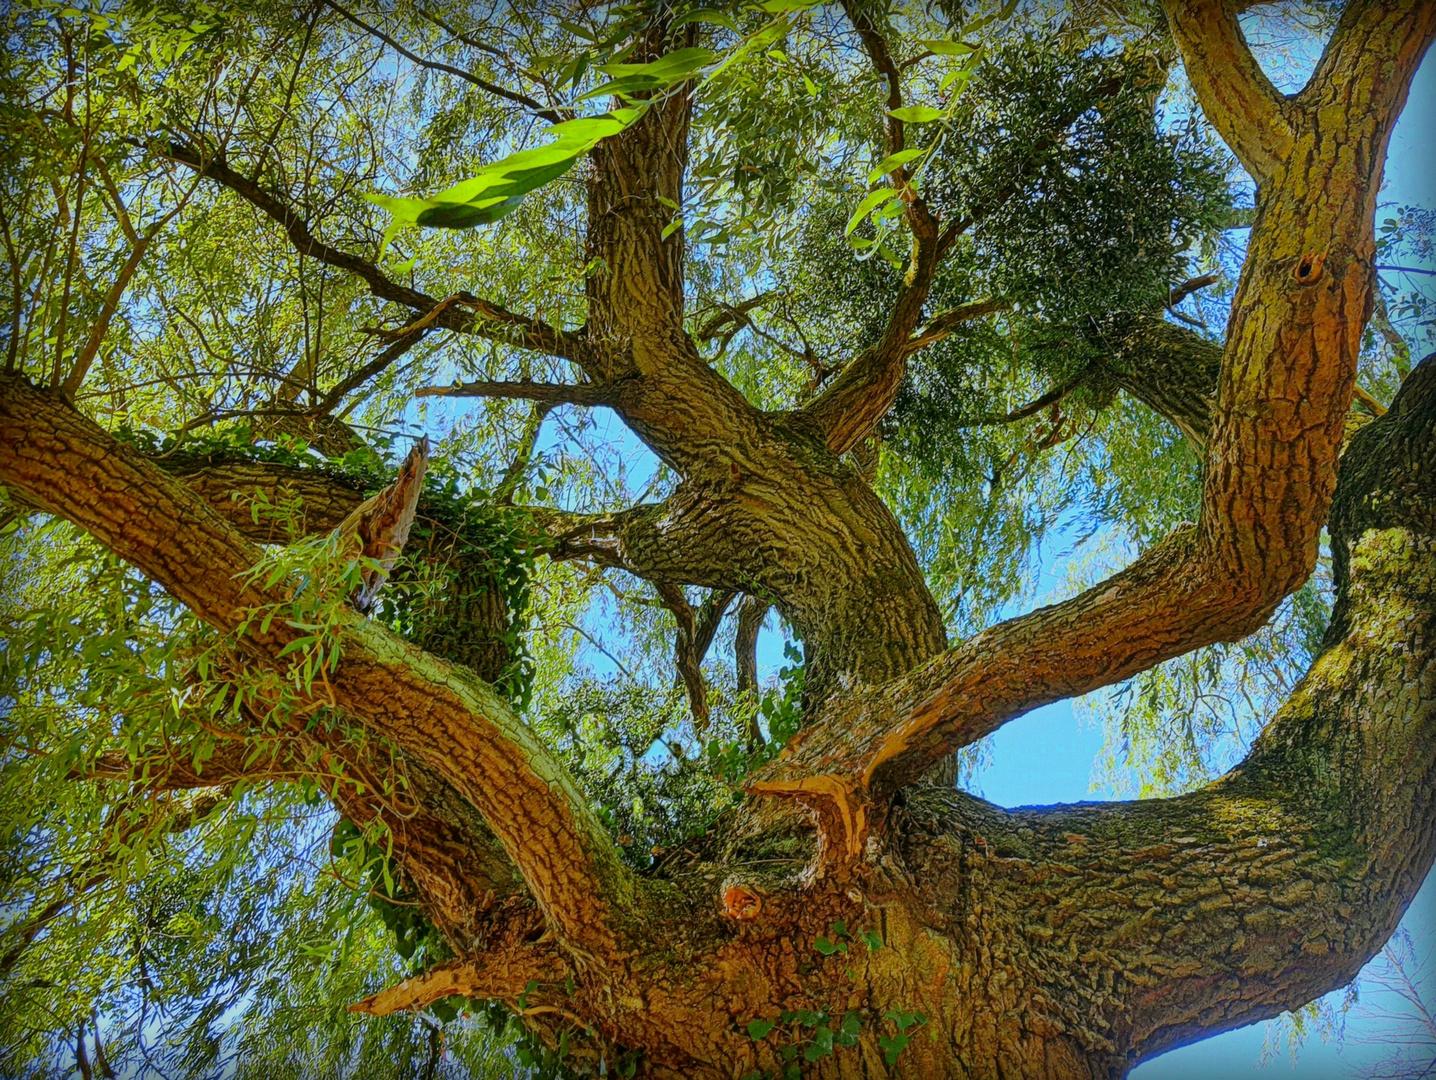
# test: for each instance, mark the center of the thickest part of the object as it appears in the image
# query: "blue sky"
(1047, 756)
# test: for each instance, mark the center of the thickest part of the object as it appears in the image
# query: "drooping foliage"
(231, 926)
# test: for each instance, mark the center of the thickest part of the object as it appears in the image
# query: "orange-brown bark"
(1065, 942)
(448, 719)
(1288, 370)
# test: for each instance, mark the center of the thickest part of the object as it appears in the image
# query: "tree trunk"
(846, 917)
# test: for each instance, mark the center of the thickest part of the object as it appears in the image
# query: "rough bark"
(444, 716)
(1288, 370)
(1065, 942)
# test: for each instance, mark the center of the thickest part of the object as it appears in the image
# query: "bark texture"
(1059, 942)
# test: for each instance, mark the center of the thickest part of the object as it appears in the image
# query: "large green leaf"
(498, 190)
(666, 71)
(916, 114)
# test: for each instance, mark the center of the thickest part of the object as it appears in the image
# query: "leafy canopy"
(232, 926)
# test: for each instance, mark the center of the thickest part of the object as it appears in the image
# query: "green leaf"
(671, 228)
(498, 190)
(466, 215)
(821, 1046)
(955, 75)
(873, 200)
(759, 1029)
(948, 48)
(666, 71)
(708, 15)
(892, 161)
(296, 645)
(916, 114)
(892, 1046)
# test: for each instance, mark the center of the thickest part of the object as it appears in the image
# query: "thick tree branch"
(1191, 285)
(449, 853)
(1237, 97)
(439, 714)
(685, 652)
(751, 614)
(709, 618)
(1172, 370)
(507, 326)
(1278, 881)
(1288, 370)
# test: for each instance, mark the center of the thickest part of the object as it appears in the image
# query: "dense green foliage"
(218, 928)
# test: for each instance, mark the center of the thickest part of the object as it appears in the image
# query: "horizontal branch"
(527, 390)
(1281, 879)
(502, 975)
(1191, 285)
(728, 315)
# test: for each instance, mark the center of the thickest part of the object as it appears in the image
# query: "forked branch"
(1288, 372)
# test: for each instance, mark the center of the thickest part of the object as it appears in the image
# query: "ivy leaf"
(892, 1046)
(759, 1029)
(821, 1046)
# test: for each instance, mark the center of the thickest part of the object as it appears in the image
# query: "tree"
(188, 417)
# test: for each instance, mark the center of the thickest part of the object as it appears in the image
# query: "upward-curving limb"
(1276, 882)
(1288, 372)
